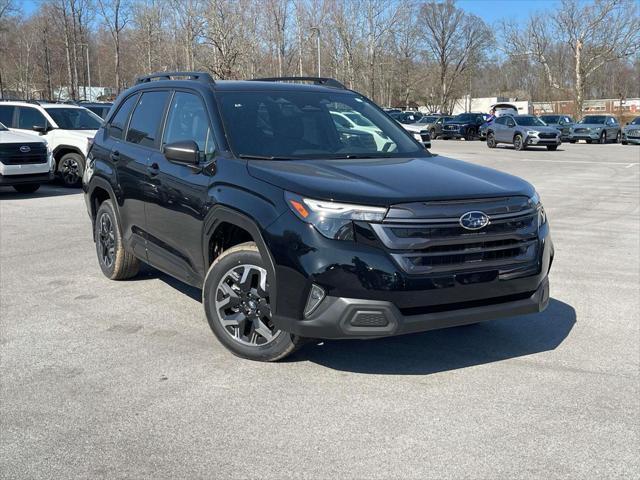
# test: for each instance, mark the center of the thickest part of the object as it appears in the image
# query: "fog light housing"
(316, 295)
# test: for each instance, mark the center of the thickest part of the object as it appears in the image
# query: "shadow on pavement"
(46, 190)
(447, 349)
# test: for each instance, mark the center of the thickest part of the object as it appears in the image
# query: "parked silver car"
(596, 128)
(631, 132)
(562, 122)
(433, 123)
(522, 131)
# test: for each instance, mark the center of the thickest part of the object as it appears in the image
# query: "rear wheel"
(115, 262)
(518, 143)
(70, 168)
(28, 188)
(238, 306)
(552, 147)
(491, 140)
(618, 137)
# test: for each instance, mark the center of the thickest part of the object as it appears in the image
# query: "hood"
(388, 181)
(546, 129)
(9, 136)
(588, 125)
(415, 127)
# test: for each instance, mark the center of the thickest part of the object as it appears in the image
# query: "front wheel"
(572, 141)
(603, 138)
(618, 137)
(518, 143)
(553, 148)
(70, 168)
(491, 140)
(28, 188)
(238, 306)
(432, 132)
(470, 134)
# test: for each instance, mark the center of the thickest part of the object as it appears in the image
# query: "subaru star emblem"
(474, 220)
(25, 149)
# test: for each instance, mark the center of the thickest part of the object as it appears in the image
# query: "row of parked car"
(41, 140)
(507, 126)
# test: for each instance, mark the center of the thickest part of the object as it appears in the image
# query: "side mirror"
(41, 129)
(184, 151)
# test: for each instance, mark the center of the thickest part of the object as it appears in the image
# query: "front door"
(179, 193)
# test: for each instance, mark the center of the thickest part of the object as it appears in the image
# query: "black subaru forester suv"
(295, 228)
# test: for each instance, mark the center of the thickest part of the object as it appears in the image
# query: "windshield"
(529, 121)
(304, 124)
(75, 118)
(2, 127)
(427, 119)
(359, 119)
(596, 119)
(635, 121)
(550, 118)
(464, 117)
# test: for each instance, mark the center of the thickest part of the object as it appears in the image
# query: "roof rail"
(199, 76)
(327, 82)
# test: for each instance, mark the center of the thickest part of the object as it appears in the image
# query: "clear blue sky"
(489, 10)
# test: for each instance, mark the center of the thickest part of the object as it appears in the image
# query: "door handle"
(115, 155)
(153, 169)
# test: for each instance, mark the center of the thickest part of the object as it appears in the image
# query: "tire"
(588, 141)
(470, 134)
(491, 140)
(27, 188)
(70, 169)
(115, 262)
(618, 137)
(432, 132)
(603, 138)
(572, 141)
(244, 306)
(625, 143)
(518, 142)
(553, 148)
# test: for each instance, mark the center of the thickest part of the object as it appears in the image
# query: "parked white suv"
(25, 161)
(66, 128)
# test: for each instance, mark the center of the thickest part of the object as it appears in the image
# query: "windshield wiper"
(261, 157)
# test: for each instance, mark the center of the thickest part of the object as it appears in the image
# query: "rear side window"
(188, 120)
(119, 120)
(6, 115)
(144, 128)
(29, 117)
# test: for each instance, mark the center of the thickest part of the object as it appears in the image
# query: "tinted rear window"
(6, 114)
(144, 128)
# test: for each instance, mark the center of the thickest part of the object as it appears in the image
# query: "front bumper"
(353, 318)
(634, 140)
(361, 277)
(9, 180)
(543, 141)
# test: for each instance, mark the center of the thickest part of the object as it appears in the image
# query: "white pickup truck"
(66, 128)
(25, 161)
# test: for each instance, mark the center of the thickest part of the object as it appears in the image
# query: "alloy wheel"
(70, 171)
(106, 241)
(517, 142)
(242, 304)
(603, 137)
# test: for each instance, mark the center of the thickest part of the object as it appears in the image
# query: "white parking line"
(631, 165)
(627, 164)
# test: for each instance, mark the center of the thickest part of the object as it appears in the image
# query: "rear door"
(178, 193)
(499, 128)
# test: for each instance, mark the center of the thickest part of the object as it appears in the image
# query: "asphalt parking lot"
(104, 379)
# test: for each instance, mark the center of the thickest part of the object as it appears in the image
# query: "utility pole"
(317, 30)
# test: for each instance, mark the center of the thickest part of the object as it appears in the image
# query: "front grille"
(10, 153)
(436, 245)
(581, 130)
(633, 133)
(547, 135)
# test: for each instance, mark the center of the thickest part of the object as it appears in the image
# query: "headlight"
(331, 219)
(532, 132)
(536, 203)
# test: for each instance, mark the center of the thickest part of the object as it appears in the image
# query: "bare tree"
(115, 14)
(596, 34)
(453, 38)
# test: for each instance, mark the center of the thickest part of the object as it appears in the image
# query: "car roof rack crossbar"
(199, 76)
(327, 82)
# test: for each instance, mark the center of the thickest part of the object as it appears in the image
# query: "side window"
(188, 120)
(501, 120)
(510, 122)
(144, 128)
(6, 115)
(119, 121)
(28, 117)
(339, 120)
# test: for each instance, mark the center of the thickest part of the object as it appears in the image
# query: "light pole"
(86, 49)
(317, 30)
